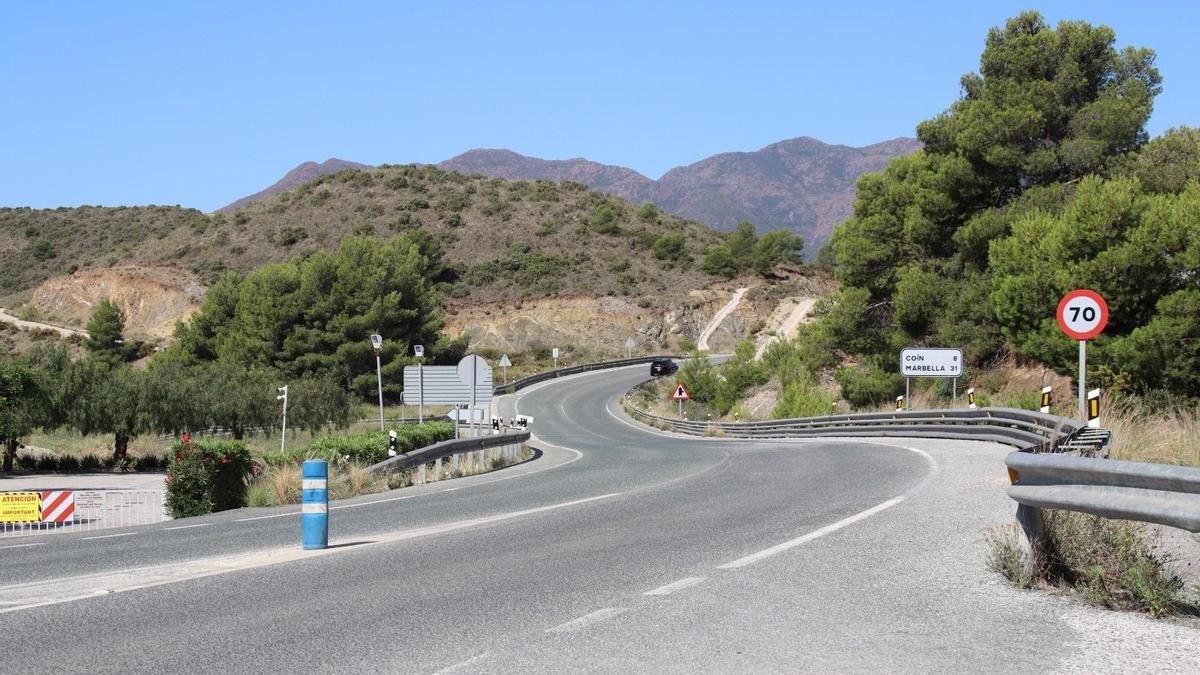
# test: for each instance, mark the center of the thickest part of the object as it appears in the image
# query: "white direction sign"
(554, 353)
(629, 343)
(504, 362)
(931, 362)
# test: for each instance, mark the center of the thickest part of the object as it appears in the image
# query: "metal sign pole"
(1082, 376)
(954, 390)
(907, 399)
(420, 394)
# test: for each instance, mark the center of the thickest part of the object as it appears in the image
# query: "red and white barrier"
(58, 506)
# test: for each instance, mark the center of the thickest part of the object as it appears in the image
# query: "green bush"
(206, 476)
(90, 463)
(68, 463)
(868, 387)
(47, 463)
(371, 447)
(148, 463)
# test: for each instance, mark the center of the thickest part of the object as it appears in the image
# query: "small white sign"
(419, 350)
(504, 362)
(554, 353)
(629, 343)
(931, 362)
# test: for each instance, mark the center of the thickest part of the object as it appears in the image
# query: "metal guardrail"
(420, 457)
(1023, 429)
(573, 370)
(1151, 493)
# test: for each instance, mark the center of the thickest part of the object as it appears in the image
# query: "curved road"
(619, 549)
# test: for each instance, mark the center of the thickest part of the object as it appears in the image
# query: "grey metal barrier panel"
(1022, 430)
(573, 370)
(1070, 470)
(1151, 493)
(446, 449)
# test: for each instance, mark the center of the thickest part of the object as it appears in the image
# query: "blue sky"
(201, 103)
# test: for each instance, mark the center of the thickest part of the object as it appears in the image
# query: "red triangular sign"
(681, 393)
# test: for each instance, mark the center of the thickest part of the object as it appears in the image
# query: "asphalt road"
(619, 549)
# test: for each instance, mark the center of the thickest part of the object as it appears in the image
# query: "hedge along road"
(628, 549)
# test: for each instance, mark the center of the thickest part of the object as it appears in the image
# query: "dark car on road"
(659, 367)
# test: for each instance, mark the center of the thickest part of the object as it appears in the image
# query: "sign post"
(1082, 315)
(930, 362)
(419, 351)
(629, 344)
(504, 364)
(681, 394)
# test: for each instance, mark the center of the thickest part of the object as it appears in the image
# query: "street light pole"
(283, 436)
(377, 345)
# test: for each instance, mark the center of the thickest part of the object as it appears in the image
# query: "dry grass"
(1164, 438)
(1110, 563)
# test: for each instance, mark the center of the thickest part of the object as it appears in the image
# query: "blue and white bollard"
(314, 512)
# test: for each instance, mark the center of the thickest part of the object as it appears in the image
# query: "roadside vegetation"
(1109, 563)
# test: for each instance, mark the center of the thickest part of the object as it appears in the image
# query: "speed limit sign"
(1082, 314)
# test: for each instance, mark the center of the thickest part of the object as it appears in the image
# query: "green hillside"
(501, 239)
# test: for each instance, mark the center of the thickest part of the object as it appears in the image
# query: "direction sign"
(629, 343)
(681, 393)
(554, 353)
(504, 362)
(931, 362)
(1082, 314)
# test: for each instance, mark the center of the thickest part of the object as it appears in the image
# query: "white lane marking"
(670, 588)
(69, 589)
(587, 620)
(450, 489)
(110, 536)
(463, 664)
(185, 527)
(277, 515)
(370, 503)
(42, 543)
(780, 548)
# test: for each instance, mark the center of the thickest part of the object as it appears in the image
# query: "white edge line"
(587, 620)
(463, 664)
(40, 543)
(670, 588)
(186, 527)
(277, 515)
(224, 565)
(834, 527)
(110, 536)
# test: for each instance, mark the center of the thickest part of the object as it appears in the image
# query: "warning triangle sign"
(681, 393)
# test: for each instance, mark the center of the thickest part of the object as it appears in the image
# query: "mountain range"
(801, 184)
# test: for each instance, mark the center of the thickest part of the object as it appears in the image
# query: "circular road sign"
(1082, 314)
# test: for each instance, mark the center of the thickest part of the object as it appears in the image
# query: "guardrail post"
(314, 513)
(1030, 519)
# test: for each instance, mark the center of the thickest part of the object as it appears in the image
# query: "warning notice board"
(20, 507)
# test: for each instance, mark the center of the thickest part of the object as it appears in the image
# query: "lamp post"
(377, 346)
(419, 351)
(283, 436)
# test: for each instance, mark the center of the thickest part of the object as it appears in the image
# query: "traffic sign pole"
(1082, 315)
(1082, 376)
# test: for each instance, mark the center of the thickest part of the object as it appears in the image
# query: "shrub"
(147, 463)
(371, 447)
(47, 463)
(1105, 561)
(68, 463)
(206, 476)
(90, 463)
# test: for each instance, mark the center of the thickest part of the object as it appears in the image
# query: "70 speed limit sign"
(1082, 314)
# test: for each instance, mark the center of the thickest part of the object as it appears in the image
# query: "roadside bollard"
(314, 512)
